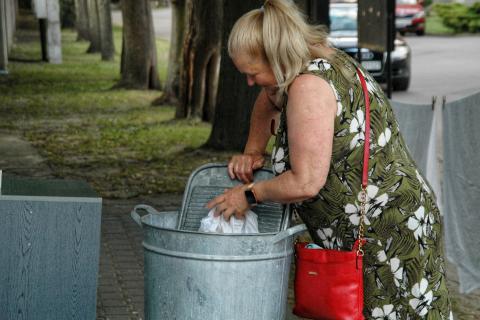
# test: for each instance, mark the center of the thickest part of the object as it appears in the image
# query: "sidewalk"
(120, 282)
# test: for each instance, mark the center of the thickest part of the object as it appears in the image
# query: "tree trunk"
(139, 59)
(201, 57)
(106, 31)
(81, 23)
(67, 13)
(235, 98)
(93, 27)
(172, 84)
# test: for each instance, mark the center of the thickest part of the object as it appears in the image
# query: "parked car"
(343, 35)
(410, 17)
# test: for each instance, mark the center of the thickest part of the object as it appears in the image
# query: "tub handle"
(289, 232)
(136, 216)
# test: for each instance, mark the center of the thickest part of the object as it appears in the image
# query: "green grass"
(435, 26)
(113, 139)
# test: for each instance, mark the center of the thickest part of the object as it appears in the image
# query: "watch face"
(250, 197)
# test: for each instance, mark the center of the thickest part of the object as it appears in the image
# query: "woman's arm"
(242, 166)
(310, 119)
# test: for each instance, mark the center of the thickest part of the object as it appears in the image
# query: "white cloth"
(461, 143)
(420, 127)
(219, 225)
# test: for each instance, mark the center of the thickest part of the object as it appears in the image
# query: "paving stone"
(123, 311)
(114, 302)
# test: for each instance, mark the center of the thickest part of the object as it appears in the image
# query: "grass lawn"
(113, 139)
(435, 26)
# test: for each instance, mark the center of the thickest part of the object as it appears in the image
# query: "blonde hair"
(278, 33)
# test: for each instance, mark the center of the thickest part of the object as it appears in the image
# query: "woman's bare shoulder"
(311, 86)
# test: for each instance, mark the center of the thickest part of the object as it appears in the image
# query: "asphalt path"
(441, 66)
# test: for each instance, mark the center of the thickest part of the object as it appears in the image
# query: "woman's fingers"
(227, 213)
(231, 171)
(243, 170)
(219, 210)
(241, 167)
(215, 201)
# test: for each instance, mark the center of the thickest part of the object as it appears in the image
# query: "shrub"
(459, 17)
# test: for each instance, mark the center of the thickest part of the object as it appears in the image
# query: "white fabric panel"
(415, 122)
(434, 171)
(461, 142)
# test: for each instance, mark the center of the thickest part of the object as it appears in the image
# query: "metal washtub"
(191, 275)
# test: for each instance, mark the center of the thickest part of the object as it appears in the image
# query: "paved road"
(442, 66)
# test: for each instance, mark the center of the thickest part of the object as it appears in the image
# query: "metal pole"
(43, 24)
(390, 43)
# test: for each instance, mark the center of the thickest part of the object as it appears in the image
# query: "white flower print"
(357, 126)
(374, 202)
(396, 270)
(421, 223)
(369, 81)
(451, 316)
(422, 181)
(354, 211)
(384, 137)
(373, 207)
(350, 93)
(277, 160)
(319, 65)
(381, 256)
(386, 312)
(326, 234)
(337, 97)
(423, 299)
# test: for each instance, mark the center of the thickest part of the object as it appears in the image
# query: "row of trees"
(201, 80)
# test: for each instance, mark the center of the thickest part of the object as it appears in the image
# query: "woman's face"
(257, 70)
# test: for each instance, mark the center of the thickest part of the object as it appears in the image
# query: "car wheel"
(401, 84)
(420, 32)
(402, 33)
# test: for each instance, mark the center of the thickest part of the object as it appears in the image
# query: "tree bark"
(201, 57)
(93, 27)
(106, 31)
(235, 98)
(139, 56)
(172, 84)
(81, 23)
(67, 13)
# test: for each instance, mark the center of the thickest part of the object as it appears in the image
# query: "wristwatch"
(250, 195)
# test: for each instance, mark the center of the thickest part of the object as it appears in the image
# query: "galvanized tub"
(191, 275)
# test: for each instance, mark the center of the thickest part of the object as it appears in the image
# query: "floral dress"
(404, 271)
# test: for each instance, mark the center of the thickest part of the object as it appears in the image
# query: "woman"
(317, 160)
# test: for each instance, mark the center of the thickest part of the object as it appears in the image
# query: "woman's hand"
(242, 166)
(232, 201)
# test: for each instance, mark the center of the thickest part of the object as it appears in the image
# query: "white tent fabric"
(415, 122)
(420, 127)
(461, 143)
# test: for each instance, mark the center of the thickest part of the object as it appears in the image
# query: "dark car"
(343, 35)
(410, 17)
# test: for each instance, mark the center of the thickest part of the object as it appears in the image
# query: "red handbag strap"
(366, 155)
(366, 150)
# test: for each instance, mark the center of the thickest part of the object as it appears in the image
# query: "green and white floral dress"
(403, 265)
